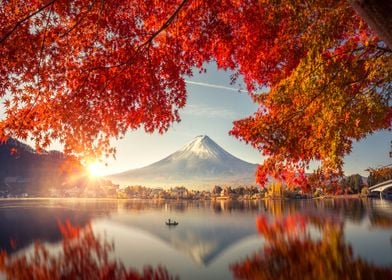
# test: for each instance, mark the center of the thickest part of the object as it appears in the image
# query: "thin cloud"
(210, 112)
(214, 86)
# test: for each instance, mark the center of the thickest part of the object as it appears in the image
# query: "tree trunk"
(378, 14)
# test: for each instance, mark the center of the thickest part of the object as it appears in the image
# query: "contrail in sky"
(214, 86)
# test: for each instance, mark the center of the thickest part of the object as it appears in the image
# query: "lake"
(298, 239)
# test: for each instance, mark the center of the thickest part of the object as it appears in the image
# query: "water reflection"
(83, 255)
(216, 239)
(290, 252)
(184, 205)
(353, 210)
(380, 220)
(24, 225)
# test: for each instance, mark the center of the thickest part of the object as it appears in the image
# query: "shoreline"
(346, 196)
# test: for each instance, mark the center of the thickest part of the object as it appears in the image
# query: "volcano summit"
(201, 162)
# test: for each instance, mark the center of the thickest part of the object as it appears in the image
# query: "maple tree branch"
(42, 51)
(79, 19)
(139, 48)
(301, 111)
(384, 49)
(25, 19)
(326, 85)
(148, 41)
(165, 25)
(31, 105)
(103, 2)
(377, 14)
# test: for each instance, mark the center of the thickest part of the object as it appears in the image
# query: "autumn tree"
(379, 175)
(329, 80)
(353, 183)
(83, 72)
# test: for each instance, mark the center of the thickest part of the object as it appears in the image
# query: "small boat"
(171, 223)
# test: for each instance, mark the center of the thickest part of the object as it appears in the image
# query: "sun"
(94, 169)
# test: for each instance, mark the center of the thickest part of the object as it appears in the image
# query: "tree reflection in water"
(83, 256)
(291, 253)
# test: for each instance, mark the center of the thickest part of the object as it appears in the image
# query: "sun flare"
(94, 169)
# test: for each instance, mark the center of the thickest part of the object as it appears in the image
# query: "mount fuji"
(200, 163)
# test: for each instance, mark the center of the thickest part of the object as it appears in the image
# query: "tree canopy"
(83, 72)
(333, 88)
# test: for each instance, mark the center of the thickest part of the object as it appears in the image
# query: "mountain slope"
(200, 162)
(22, 169)
(19, 160)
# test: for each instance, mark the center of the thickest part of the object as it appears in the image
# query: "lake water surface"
(332, 238)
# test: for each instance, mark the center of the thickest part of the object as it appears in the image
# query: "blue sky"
(213, 104)
(210, 110)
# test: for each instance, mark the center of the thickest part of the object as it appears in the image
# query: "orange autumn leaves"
(336, 91)
(86, 72)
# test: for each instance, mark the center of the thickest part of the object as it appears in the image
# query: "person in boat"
(169, 222)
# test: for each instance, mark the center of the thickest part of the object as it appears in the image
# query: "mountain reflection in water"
(304, 239)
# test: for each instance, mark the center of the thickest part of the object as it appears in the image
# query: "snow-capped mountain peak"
(202, 147)
(200, 161)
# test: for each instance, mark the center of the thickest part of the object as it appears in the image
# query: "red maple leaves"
(84, 72)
